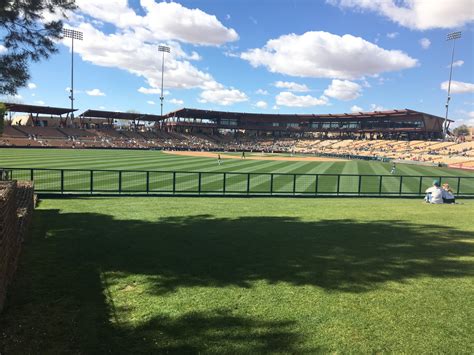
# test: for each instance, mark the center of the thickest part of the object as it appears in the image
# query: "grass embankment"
(127, 275)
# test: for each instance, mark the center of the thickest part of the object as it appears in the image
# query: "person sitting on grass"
(434, 194)
(448, 196)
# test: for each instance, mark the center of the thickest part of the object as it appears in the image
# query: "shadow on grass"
(61, 283)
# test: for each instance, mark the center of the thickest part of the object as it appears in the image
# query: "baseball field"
(240, 275)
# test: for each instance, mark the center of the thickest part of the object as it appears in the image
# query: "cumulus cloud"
(149, 91)
(131, 43)
(95, 92)
(261, 92)
(425, 43)
(291, 86)
(176, 102)
(356, 108)
(161, 21)
(224, 97)
(344, 90)
(458, 87)
(392, 35)
(31, 86)
(457, 63)
(374, 107)
(289, 99)
(261, 104)
(151, 102)
(416, 14)
(326, 55)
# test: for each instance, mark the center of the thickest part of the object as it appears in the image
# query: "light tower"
(163, 49)
(451, 37)
(72, 34)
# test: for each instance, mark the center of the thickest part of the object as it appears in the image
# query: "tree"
(27, 36)
(462, 130)
(3, 110)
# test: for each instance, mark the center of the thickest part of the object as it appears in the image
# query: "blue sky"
(269, 56)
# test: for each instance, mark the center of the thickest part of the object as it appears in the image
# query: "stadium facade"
(392, 124)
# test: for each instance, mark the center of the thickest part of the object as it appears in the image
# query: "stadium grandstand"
(396, 134)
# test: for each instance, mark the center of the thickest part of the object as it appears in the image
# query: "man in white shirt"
(434, 194)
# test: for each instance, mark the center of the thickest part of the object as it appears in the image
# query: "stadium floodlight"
(72, 34)
(163, 49)
(450, 37)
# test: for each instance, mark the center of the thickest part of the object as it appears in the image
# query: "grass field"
(211, 182)
(189, 275)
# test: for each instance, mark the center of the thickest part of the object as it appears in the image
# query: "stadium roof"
(208, 114)
(44, 110)
(121, 115)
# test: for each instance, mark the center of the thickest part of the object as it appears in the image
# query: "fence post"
(223, 183)
(459, 186)
(32, 174)
(380, 185)
(316, 186)
(62, 180)
(199, 183)
(92, 181)
(147, 182)
(294, 184)
(174, 182)
(421, 182)
(271, 184)
(248, 183)
(120, 181)
(338, 183)
(401, 185)
(360, 184)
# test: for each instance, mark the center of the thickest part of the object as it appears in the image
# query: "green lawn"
(212, 275)
(187, 180)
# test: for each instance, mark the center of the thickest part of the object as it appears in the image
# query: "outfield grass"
(146, 275)
(213, 183)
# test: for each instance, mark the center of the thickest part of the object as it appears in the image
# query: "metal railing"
(232, 183)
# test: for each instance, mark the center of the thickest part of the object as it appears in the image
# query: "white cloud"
(102, 107)
(416, 14)
(425, 43)
(289, 99)
(458, 87)
(291, 86)
(374, 107)
(176, 102)
(224, 97)
(161, 21)
(275, 107)
(40, 102)
(150, 91)
(137, 36)
(261, 104)
(95, 92)
(3, 49)
(457, 63)
(326, 55)
(356, 108)
(31, 86)
(151, 102)
(261, 92)
(392, 35)
(344, 90)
